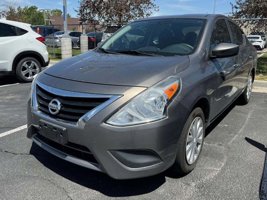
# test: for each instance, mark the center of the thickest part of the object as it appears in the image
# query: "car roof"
(189, 16)
(15, 23)
(254, 36)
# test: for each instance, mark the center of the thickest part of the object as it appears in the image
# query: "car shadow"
(263, 185)
(8, 79)
(96, 180)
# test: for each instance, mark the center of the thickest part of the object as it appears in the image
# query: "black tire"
(181, 166)
(22, 67)
(246, 95)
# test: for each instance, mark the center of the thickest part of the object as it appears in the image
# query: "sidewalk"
(260, 86)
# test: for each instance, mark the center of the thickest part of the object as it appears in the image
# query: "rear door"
(227, 88)
(10, 43)
(245, 58)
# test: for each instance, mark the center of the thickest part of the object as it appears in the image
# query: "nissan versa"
(140, 102)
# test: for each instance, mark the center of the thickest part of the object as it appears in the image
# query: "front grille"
(73, 108)
(75, 150)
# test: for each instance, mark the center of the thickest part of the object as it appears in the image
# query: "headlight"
(149, 105)
(33, 93)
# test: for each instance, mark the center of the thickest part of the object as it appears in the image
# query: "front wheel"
(246, 95)
(27, 68)
(190, 143)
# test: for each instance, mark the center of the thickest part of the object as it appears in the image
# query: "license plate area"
(53, 132)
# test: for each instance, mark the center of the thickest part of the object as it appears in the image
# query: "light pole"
(65, 16)
(214, 6)
(66, 46)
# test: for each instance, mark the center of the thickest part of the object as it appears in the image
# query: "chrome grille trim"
(65, 93)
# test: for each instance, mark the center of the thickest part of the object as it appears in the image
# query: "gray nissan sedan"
(140, 102)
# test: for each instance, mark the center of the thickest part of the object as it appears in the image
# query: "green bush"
(55, 53)
(262, 64)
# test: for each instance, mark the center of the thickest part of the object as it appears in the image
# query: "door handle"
(224, 74)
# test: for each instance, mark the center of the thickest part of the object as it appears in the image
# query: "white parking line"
(13, 131)
(1, 86)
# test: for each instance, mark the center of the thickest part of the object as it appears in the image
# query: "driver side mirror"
(223, 50)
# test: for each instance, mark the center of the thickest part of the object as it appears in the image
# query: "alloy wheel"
(194, 140)
(29, 69)
(249, 87)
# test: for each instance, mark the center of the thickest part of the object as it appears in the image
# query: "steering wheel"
(125, 42)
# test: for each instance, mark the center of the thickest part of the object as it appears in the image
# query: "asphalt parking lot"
(231, 165)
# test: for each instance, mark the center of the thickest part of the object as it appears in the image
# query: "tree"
(56, 12)
(115, 12)
(27, 14)
(250, 12)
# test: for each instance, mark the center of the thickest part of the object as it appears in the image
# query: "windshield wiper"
(136, 52)
(106, 51)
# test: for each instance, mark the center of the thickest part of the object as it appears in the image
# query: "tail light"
(92, 39)
(41, 39)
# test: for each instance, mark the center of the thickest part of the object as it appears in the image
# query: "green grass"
(55, 53)
(261, 77)
(262, 65)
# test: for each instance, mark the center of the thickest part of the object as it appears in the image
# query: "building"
(74, 24)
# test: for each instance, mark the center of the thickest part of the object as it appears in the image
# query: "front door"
(227, 87)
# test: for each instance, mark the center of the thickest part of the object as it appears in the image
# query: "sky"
(166, 7)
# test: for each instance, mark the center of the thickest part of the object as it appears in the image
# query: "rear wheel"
(190, 143)
(27, 68)
(246, 95)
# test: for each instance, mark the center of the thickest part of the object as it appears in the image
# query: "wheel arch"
(24, 54)
(204, 104)
(253, 72)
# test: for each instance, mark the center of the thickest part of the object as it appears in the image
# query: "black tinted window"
(8, 30)
(73, 34)
(220, 33)
(237, 33)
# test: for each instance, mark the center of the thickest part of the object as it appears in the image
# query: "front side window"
(220, 34)
(237, 33)
(165, 37)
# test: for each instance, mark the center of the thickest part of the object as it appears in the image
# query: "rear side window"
(9, 31)
(220, 34)
(236, 33)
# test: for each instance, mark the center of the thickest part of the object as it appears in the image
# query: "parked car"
(140, 103)
(44, 30)
(109, 31)
(259, 42)
(262, 34)
(23, 52)
(55, 38)
(93, 39)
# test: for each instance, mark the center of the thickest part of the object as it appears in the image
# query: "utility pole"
(65, 16)
(66, 46)
(214, 6)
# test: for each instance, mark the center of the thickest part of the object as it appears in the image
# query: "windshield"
(166, 37)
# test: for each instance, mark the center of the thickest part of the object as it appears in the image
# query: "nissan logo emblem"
(54, 106)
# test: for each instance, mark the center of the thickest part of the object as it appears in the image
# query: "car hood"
(118, 69)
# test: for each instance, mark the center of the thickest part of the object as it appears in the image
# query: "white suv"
(257, 41)
(23, 51)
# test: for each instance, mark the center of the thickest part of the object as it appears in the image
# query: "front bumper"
(121, 152)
